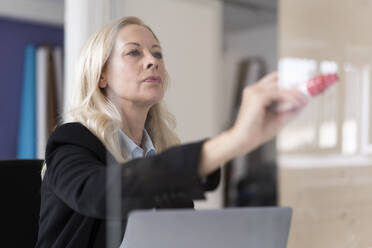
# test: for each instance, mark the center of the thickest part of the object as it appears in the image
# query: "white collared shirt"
(133, 149)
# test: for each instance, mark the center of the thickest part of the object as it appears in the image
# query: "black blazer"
(73, 192)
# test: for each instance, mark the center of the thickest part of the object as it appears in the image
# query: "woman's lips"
(153, 80)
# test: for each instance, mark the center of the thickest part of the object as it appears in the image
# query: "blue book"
(27, 122)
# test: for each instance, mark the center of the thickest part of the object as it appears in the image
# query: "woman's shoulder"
(71, 131)
(75, 133)
(70, 127)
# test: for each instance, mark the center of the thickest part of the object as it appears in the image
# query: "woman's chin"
(150, 101)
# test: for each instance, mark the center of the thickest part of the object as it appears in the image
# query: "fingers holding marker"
(311, 88)
(295, 97)
(288, 101)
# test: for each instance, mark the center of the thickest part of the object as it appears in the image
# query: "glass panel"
(322, 173)
(367, 82)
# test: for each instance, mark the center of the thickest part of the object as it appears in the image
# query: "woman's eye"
(133, 53)
(158, 55)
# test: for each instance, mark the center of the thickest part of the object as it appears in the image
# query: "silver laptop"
(263, 227)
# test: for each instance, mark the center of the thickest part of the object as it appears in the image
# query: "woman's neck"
(134, 118)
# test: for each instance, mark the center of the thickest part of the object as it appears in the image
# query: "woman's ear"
(102, 82)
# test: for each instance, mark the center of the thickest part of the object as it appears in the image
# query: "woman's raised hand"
(256, 122)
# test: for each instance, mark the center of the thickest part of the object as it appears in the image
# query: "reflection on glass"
(326, 183)
(349, 137)
(327, 67)
(352, 103)
(295, 71)
(366, 127)
(328, 135)
(317, 127)
(302, 136)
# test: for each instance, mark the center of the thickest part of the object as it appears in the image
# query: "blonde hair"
(94, 110)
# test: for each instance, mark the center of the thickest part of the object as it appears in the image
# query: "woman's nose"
(151, 62)
(149, 65)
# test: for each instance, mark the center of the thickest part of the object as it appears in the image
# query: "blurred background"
(320, 164)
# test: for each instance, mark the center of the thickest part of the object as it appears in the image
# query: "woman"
(117, 122)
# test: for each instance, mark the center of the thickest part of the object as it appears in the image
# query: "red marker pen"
(319, 84)
(313, 87)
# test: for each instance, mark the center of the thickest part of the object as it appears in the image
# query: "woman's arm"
(255, 123)
(78, 175)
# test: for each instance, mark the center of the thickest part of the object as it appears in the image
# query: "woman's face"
(135, 71)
